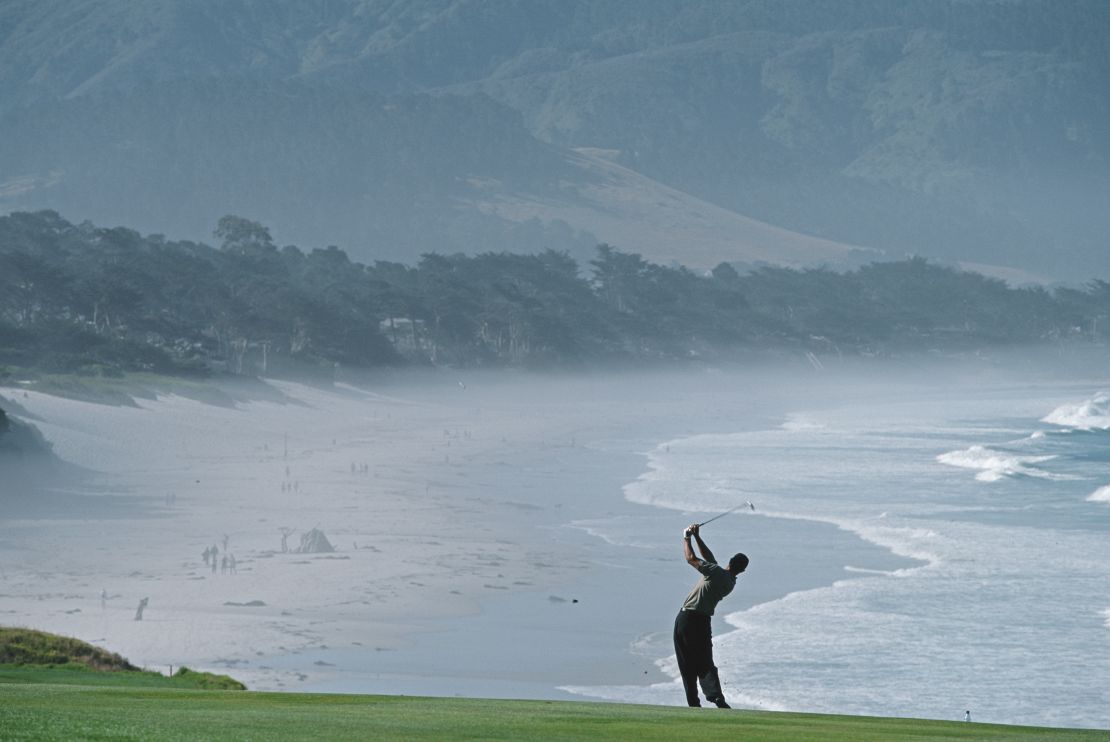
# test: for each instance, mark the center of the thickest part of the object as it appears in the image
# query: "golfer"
(693, 637)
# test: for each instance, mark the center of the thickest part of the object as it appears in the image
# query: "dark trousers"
(693, 645)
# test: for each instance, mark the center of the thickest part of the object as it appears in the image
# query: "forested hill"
(83, 299)
(961, 130)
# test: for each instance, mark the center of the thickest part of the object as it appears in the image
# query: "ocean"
(995, 500)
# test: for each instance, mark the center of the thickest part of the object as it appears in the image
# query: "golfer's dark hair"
(738, 563)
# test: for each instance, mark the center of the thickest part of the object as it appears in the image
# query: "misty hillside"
(380, 175)
(967, 130)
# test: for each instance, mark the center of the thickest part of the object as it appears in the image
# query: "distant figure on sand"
(139, 611)
(103, 599)
(693, 633)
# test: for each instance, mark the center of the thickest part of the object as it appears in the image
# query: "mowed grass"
(31, 709)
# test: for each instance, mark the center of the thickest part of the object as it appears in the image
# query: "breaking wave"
(1102, 494)
(994, 465)
(1093, 414)
(799, 423)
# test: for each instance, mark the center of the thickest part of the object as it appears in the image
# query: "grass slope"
(29, 656)
(35, 710)
(30, 647)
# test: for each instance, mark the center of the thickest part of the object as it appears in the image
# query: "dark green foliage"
(77, 299)
(71, 660)
(29, 647)
(99, 302)
(206, 680)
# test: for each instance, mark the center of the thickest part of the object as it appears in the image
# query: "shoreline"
(561, 641)
(471, 527)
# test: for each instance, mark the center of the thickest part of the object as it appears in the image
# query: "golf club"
(747, 504)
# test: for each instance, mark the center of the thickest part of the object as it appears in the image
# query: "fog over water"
(927, 539)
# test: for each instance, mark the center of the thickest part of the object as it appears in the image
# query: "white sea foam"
(1036, 438)
(1102, 494)
(1093, 414)
(612, 531)
(868, 570)
(994, 465)
(1106, 615)
(798, 423)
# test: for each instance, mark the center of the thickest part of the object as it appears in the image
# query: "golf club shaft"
(730, 510)
(715, 517)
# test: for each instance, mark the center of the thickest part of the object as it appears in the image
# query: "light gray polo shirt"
(716, 582)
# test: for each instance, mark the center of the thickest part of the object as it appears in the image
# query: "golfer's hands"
(693, 529)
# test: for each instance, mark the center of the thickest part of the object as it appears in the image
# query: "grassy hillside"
(29, 656)
(30, 647)
(32, 710)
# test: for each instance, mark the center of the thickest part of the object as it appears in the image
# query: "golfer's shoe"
(721, 703)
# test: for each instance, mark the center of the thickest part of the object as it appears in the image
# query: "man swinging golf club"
(693, 636)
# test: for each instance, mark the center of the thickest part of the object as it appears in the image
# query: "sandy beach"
(463, 509)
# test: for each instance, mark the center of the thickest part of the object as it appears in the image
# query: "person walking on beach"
(693, 635)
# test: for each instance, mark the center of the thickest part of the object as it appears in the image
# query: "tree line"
(104, 301)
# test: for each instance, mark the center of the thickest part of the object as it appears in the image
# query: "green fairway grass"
(44, 704)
